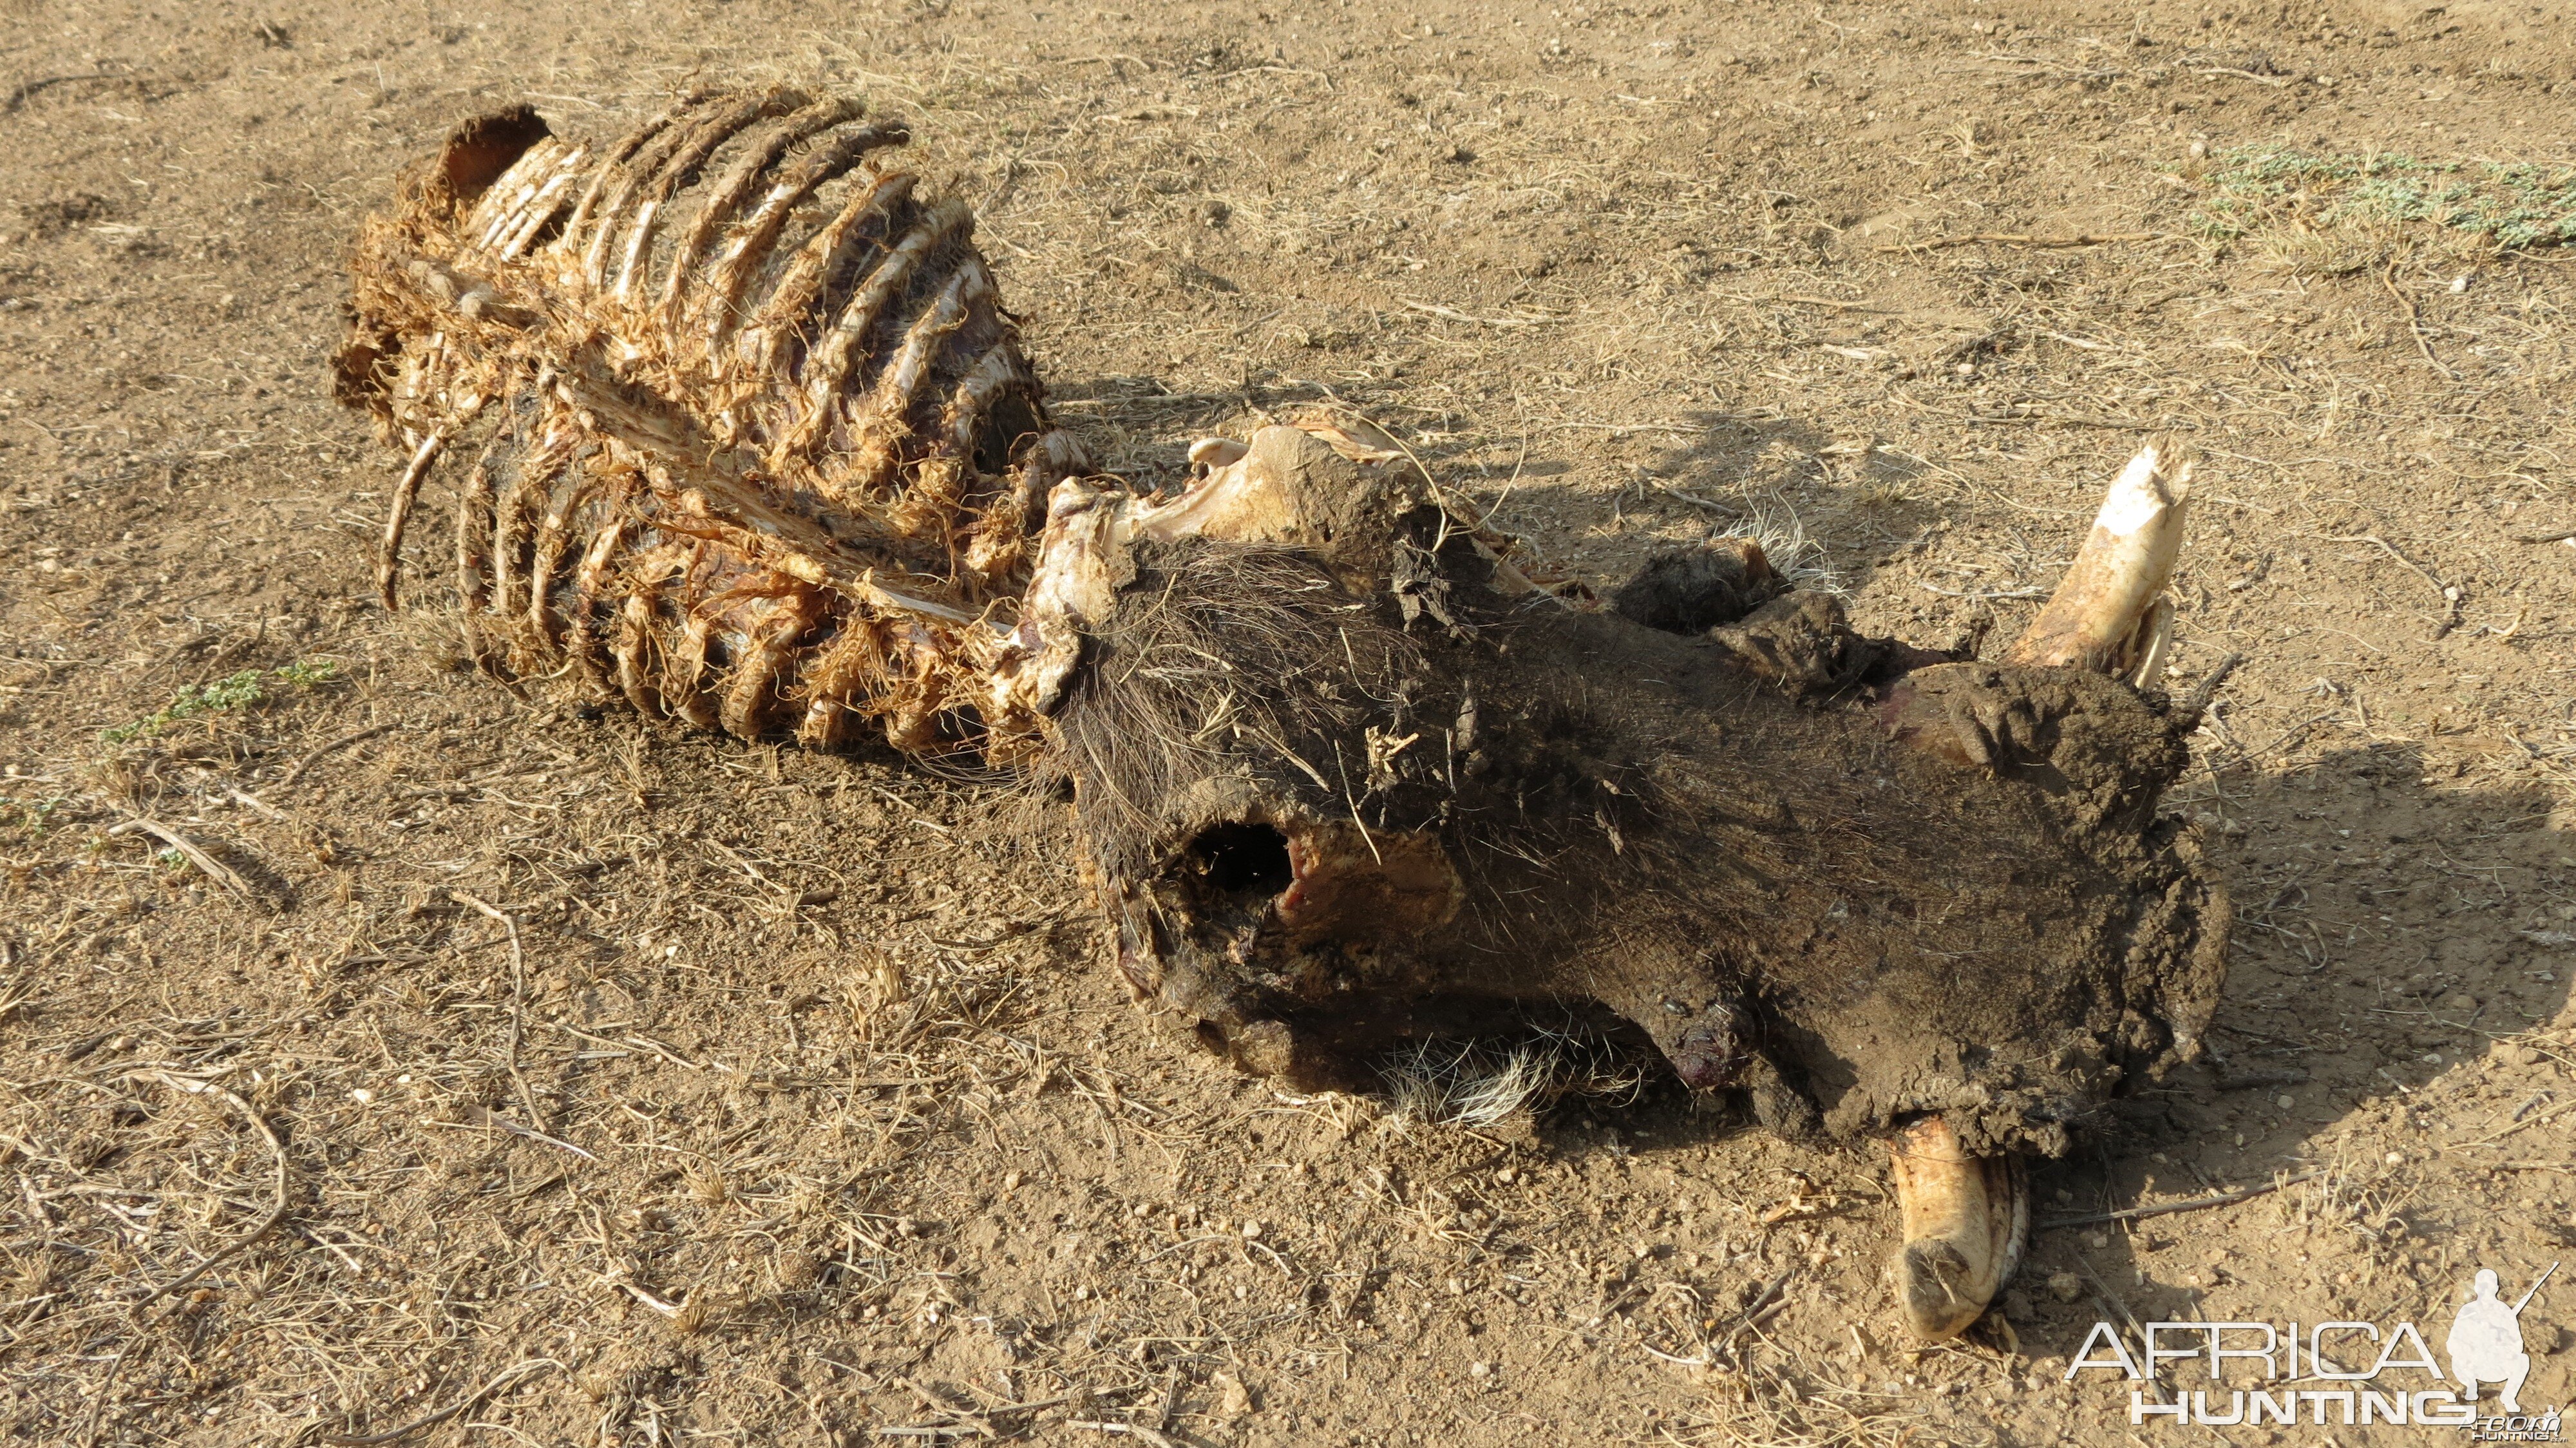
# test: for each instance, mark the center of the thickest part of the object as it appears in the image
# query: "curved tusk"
(2108, 614)
(1966, 1218)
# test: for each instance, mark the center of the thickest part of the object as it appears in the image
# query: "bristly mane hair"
(1220, 654)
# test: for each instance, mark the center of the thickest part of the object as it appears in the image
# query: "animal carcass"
(752, 445)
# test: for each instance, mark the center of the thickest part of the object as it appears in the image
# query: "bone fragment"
(1966, 1218)
(1216, 452)
(1250, 493)
(2108, 614)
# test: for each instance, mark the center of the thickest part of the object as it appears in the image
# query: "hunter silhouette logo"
(2334, 1373)
(2485, 1344)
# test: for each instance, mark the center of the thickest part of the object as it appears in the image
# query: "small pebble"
(2287, 1101)
(2463, 1001)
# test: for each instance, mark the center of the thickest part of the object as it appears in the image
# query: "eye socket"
(1243, 859)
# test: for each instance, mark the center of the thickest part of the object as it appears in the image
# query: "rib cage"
(739, 430)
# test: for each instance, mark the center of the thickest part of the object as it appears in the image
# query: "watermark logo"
(2484, 1347)
(2486, 1340)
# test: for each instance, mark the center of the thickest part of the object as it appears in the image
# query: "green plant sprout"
(244, 690)
(2517, 204)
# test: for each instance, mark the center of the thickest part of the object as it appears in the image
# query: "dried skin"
(1857, 881)
(744, 434)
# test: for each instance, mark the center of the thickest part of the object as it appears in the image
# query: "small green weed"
(2513, 205)
(34, 816)
(305, 673)
(241, 691)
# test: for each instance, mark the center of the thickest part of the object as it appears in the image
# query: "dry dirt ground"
(479, 1073)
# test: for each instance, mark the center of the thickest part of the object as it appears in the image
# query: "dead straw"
(518, 1003)
(2414, 322)
(277, 1204)
(215, 870)
(508, 1377)
(1997, 238)
(2194, 1204)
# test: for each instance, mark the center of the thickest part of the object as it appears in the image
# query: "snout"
(1277, 933)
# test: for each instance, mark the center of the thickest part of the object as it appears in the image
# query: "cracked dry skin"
(1374, 788)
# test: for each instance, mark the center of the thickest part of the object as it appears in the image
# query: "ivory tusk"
(2105, 615)
(1966, 1218)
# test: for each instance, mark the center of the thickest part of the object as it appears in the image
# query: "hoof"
(1965, 1220)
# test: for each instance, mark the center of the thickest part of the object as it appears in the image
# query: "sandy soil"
(623, 1087)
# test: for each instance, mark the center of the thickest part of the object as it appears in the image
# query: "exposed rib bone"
(724, 200)
(883, 419)
(682, 167)
(750, 248)
(473, 549)
(734, 593)
(830, 364)
(2103, 616)
(755, 688)
(545, 559)
(1966, 1218)
(835, 676)
(531, 218)
(824, 256)
(636, 637)
(498, 210)
(582, 624)
(634, 179)
(684, 671)
(900, 385)
(612, 168)
(510, 526)
(406, 490)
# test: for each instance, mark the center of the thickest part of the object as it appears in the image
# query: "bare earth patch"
(384, 1058)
